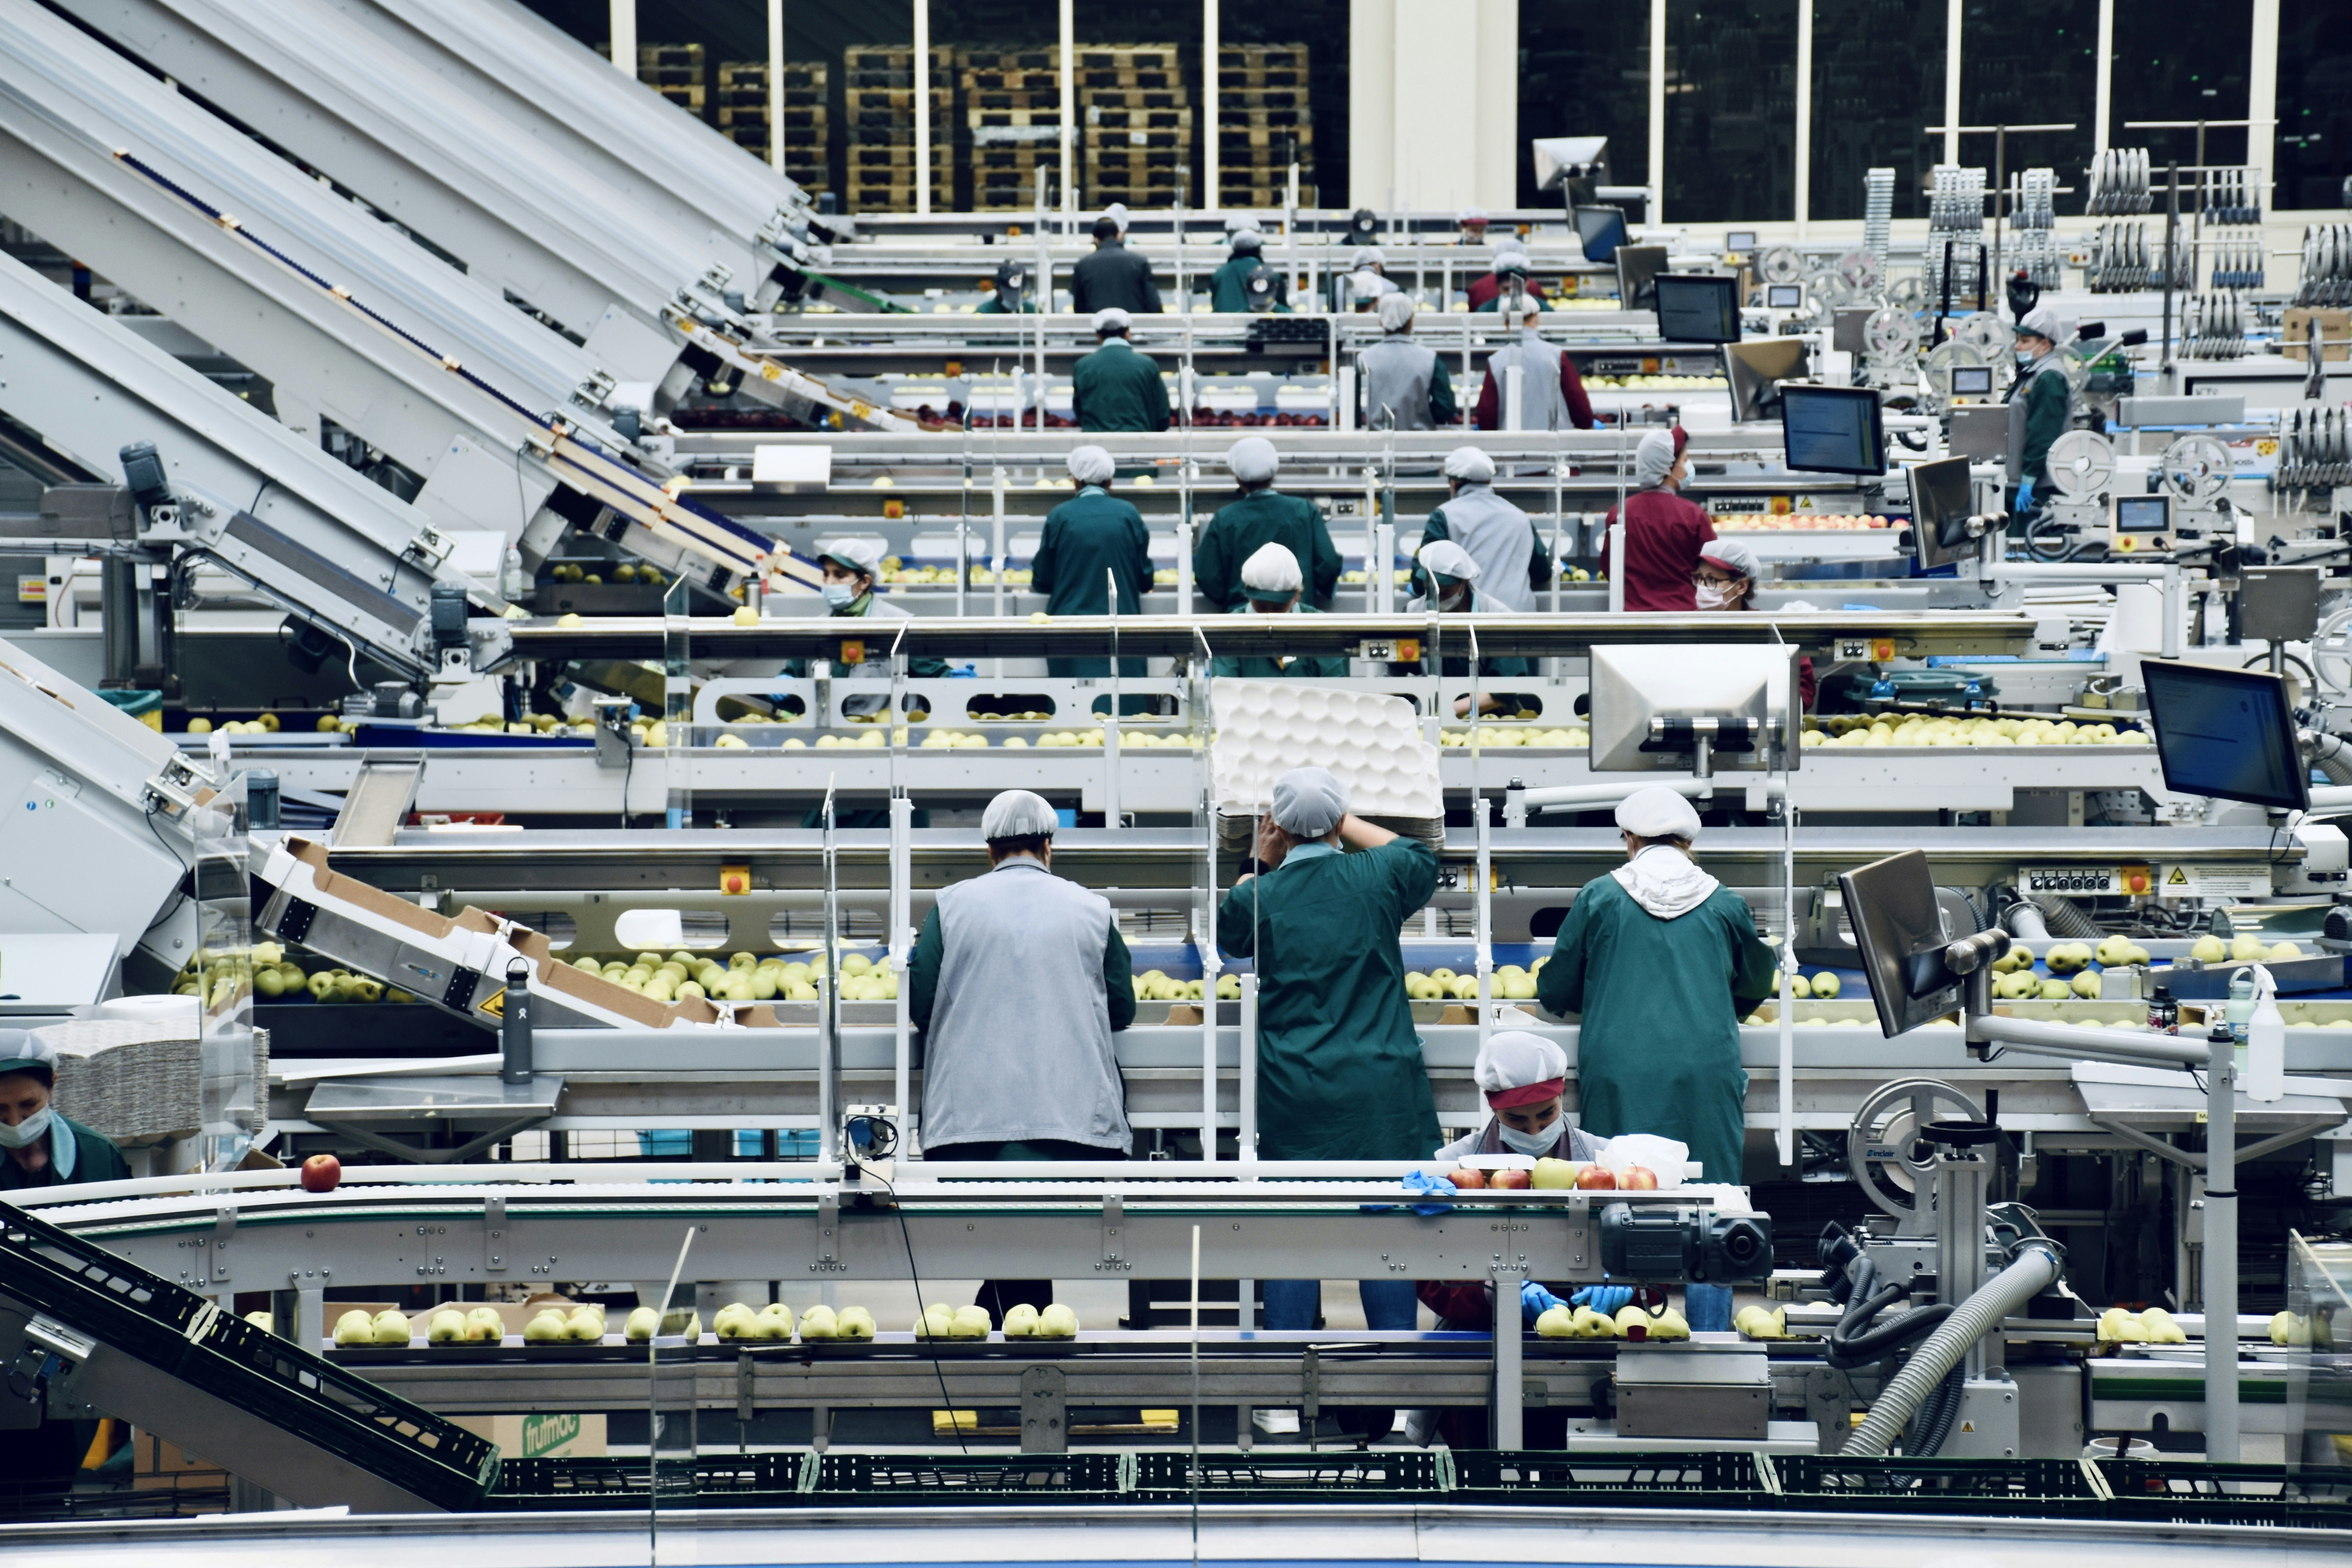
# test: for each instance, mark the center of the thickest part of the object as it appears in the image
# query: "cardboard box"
(156, 1464)
(560, 1435)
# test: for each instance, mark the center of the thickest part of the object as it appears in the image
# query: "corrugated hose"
(2035, 1266)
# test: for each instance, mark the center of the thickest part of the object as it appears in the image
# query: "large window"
(1731, 111)
(2315, 103)
(1878, 81)
(2183, 59)
(1584, 70)
(2032, 62)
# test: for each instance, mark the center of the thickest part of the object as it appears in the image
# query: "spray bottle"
(2263, 1070)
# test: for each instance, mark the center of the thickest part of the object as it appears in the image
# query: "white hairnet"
(1309, 802)
(1396, 311)
(1653, 458)
(1090, 465)
(1656, 812)
(1732, 555)
(1116, 213)
(858, 554)
(1112, 318)
(1474, 215)
(1530, 309)
(1444, 558)
(1249, 240)
(1369, 256)
(1254, 460)
(2043, 321)
(21, 1049)
(1470, 465)
(1272, 570)
(1018, 814)
(1514, 1059)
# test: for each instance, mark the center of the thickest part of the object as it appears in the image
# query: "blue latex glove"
(1423, 1184)
(1605, 1299)
(1535, 1301)
(2025, 495)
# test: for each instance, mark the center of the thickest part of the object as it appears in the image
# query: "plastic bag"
(1662, 1157)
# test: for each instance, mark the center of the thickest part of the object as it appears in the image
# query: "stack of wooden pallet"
(743, 110)
(1263, 124)
(1011, 99)
(878, 112)
(677, 71)
(1135, 126)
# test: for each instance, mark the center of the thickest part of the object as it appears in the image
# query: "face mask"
(2025, 361)
(840, 595)
(1519, 1142)
(28, 1132)
(1713, 595)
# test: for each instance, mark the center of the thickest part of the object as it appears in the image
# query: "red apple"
(1639, 1179)
(322, 1173)
(1516, 1180)
(1596, 1179)
(1466, 1178)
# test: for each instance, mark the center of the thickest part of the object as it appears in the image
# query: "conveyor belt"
(173, 1362)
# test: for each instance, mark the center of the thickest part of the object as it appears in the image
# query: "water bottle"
(2263, 1066)
(2239, 1010)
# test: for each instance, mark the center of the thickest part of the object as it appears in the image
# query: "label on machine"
(2228, 879)
(2122, 881)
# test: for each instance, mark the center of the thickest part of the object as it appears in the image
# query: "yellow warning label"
(497, 1005)
(1967, 1425)
(2179, 877)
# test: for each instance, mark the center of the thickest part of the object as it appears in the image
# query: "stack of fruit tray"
(1135, 124)
(1263, 125)
(1012, 124)
(744, 110)
(1378, 1476)
(878, 112)
(1723, 1479)
(674, 70)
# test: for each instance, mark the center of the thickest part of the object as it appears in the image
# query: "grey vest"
(1541, 406)
(2048, 365)
(1397, 375)
(1499, 537)
(1019, 1046)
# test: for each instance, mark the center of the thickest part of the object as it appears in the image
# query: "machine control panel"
(2121, 881)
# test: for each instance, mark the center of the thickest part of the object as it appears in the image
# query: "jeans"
(1293, 1303)
(1708, 1308)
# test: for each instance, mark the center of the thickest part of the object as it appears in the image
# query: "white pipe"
(2103, 94)
(1615, 563)
(625, 37)
(1657, 201)
(2262, 98)
(1215, 197)
(1248, 1140)
(2037, 1038)
(776, 85)
(1804, 139)
(1485, 902)
(1952, 82)
(1069, 36)
(1599, 795)
(922, 108)
(2222, 1253)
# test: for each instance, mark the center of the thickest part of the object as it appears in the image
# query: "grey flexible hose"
(2332, 756)
(2066, 918)
(2035, 1266)
(2024, 922)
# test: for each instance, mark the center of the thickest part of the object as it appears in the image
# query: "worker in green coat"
(852, 567)
(1229, 284)
(40, 1148)
(1116, 388)
(2041, 402)
(1270, 585)
(1091, 541)
(1011, 295)
(1263, 515)
(1449, 575)
(1662, 961)
(1340, 1067)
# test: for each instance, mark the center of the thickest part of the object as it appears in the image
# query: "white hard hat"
(1090, 465)
(1471, 465)
(1309, 802)
(1656, 812)
(1018, 814)
(1253, 459)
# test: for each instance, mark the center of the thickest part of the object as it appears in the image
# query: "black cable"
(937, 1371)
(1845, 1354)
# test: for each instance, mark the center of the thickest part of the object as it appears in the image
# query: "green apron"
(1658, 1050)
(1339, 1070)
(1089, 534)
(1264, 517)
(1116, 388)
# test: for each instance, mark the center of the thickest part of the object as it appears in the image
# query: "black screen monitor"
(1637, 266)
(1697, 309)
(1832, 429)
(2226, 733)
(1784, 296)
(1757, 368)
(1603, 230)
(1942, 500)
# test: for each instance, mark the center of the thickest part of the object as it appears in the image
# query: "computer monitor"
(1756, 369)
(1942, 500)
(2226, 733)
(2139, 522)
(1637, 266)
(1748, 689)
(1697, 309)
(1738, 241)
(1784, 296)
(1601, 230)
(1832, 429)
(1972, 380)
